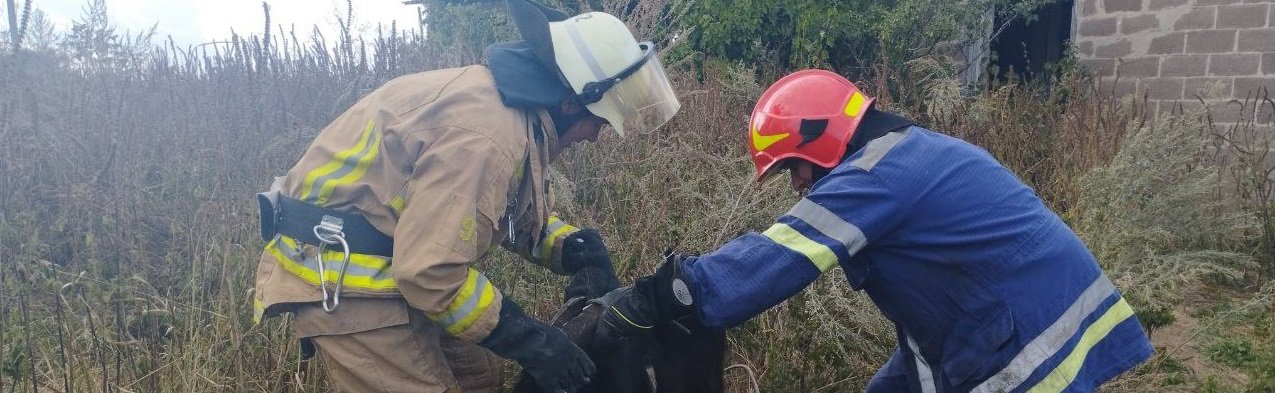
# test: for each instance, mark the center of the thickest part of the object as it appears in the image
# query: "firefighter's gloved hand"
(556, 364)
(658, 298)
(587, 259)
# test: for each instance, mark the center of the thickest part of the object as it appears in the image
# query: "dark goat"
(671, 359)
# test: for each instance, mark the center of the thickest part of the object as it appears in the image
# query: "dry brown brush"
(127, 224)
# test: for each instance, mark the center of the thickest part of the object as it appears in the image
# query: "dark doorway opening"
(1027, 45)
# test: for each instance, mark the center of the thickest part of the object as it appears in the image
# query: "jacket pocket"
(355, 315)
(464, 229)
(983, 329)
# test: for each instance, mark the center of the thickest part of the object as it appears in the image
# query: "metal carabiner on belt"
(329, 232)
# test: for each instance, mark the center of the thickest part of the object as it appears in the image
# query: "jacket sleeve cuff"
(473, 312)
(550, 250)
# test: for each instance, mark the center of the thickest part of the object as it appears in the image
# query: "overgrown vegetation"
(128, 227)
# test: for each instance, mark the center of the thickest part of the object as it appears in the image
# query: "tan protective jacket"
(434, 160)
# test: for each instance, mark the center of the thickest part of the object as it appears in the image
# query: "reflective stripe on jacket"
(437, 162)
(989, 290)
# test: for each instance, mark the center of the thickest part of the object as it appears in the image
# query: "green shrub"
(1235, 353)
(1153, 217)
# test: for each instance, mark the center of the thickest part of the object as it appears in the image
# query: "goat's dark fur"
(669, 360)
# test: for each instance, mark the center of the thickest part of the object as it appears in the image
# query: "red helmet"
(809, 114)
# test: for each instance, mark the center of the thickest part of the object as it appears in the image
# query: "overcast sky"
(197, 21)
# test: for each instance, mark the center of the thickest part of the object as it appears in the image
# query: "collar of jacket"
(521, 79)
(876, 123)
(545, 133)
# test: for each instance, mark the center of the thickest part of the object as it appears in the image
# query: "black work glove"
(587, 259)
(661, 297)
(544, 352)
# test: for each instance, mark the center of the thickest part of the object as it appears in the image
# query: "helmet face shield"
(642, 102)
(614, 76)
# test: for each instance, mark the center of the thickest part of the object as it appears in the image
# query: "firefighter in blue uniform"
(988, 289)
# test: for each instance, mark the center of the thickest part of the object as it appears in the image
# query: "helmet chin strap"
(562, 121)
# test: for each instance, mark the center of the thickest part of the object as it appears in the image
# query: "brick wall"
(1174, 51)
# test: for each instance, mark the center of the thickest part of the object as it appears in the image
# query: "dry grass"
(128, 227)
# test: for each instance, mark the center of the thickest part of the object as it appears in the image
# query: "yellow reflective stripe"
(258, 309)
(472, 301)
(360, 167)
(349, 165)
(761, 142)
(855, 107)
(362, 273)
(1066, 372)
(617, 311)
(484, 302)
(370, 262)
(397, 204)
(553, 235)
(819, 254)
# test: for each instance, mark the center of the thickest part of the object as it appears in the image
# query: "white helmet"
(616, 77)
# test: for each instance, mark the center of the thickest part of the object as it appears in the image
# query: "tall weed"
(1153, 217)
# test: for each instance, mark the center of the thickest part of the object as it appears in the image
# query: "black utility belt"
(283, 215)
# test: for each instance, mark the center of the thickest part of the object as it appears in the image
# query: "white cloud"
(192, 22)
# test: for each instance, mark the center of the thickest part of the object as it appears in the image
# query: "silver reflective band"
(1051, 340)
(311, 263)
(348, 165)
(589, 60)
(831, 225)
(923, 373)
(593, 91)
(471, 303)
(878, 148)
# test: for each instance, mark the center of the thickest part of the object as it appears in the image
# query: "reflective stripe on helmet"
(801, 97)
(615, 76)
(585, 53)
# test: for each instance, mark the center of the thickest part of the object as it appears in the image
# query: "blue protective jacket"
(988, 289)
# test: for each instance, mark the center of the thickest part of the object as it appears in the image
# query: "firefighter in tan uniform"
(373, 233)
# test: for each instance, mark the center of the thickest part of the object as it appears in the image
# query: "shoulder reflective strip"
(1065, 373)
(585, 53)
(365, 271)
(878, 148)
(830, 224)
(346, 166)
(855, 106)
(924, 375)
(555, 229)
(819, 254)
(1051, 340)
(472, 301)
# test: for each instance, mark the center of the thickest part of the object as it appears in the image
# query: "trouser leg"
(476, 369)
(402, 358)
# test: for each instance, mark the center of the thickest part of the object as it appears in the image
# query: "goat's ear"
(569, 311)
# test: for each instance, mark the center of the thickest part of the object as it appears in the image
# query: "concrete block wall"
(1177, 51)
